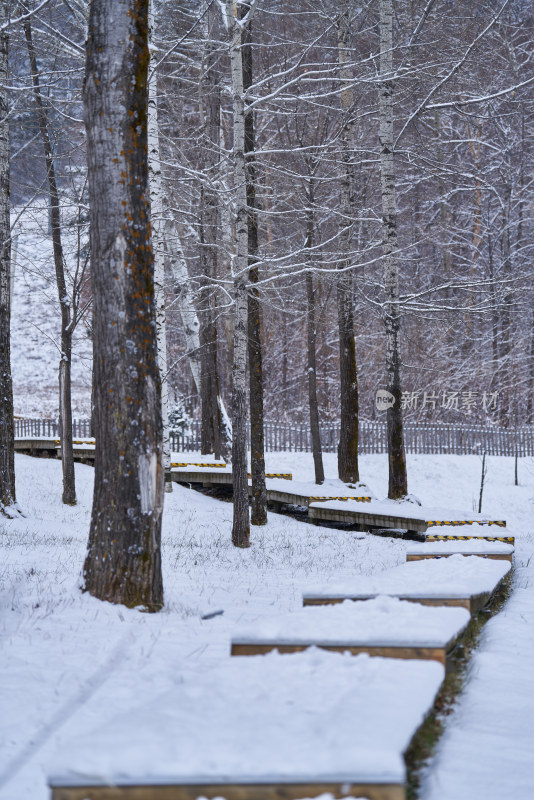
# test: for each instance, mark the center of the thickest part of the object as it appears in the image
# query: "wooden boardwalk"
(479, 548)
(472, 602)
(402, 640)
(281, 790)
(470, 583)
(324, 737)
(342, 506)
(364, 519)
(37, 447)
(383, 627)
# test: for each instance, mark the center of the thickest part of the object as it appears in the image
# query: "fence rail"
(419, 438)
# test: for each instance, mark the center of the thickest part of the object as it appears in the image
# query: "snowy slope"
(35, 325)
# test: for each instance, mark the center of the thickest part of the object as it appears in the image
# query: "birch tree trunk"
(398, 482)
(65, 363)
(241, 521)
(123, 561)
(8, 501)
(312, 340)
(255, 362)
(348, 437)
(158, 247)
(191, 324)
(184, 297)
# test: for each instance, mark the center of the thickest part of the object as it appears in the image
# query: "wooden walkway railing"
(419, 438)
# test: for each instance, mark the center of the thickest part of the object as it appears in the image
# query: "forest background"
(462, 104)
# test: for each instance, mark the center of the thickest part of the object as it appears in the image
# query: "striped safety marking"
(287, 475)
(195, 464)
(505, 539)
(322, 499)
(500, 523)
(76, 442)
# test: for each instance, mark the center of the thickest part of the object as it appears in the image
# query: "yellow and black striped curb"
(501, 523)
(324, 499)
(505, 539)
(195, 464)
(287, 475)
(76, 442)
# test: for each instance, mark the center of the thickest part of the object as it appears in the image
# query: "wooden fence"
(419, 438)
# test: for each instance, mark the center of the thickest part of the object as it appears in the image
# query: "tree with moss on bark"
(123, 561)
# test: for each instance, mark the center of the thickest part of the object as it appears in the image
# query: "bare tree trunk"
(158, 246)
(530, 374)
(347, 454)
(123, 562)
(65, 404)
(312, 346)
(241, 522)
(255, 360)
(212, 434)
(8, 500)
(398, 481)
(506, 343)
(348, 434)
(443, 216)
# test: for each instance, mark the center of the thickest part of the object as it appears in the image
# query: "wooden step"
(383, 627)
(468, 538)
(468, 582)
(277, 728)
(354, 515)
(232, 791)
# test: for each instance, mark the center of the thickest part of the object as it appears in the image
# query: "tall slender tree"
(212, 433)
(398, 481)
(255, 360)
(68, 321)
(157, 215)
(347, 456)
(7, 450)
(123, 561)
(241, 521)
(312, 334)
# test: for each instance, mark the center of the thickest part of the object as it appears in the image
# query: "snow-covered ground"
(69, 663)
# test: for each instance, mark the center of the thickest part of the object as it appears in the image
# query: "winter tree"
(123, 562)
(7, 460)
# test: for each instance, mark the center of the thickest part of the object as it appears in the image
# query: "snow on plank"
(384, 626)
(373, 515)
(467, 581)
(35, 444)
(397, 515)
(302, 493)
(210, 474)
(228, 791)
(465, 547)
(260, 728)
(83, 453)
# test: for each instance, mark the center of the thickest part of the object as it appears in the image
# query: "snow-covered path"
(68, 661)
